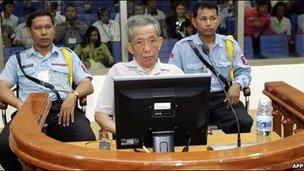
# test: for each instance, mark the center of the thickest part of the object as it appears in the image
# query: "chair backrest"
(8, 51)
(299, 43)
(116, 51)
(39, 6)
(248, 47)
(166, 49)
(230, 25)
(274, 46)
(294, 23)
(165, 7)
(18, 8)
(101, 4)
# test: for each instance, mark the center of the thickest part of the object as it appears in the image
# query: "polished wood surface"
(35, 148)
(288, 107)
(217, 140)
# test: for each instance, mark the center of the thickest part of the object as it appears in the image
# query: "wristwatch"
(76, 94)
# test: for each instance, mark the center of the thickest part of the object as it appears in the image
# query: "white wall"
(291, 74)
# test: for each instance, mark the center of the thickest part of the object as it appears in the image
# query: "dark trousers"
(224, 118)
(80, 130)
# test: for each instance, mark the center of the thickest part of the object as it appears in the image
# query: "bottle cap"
(265, 101)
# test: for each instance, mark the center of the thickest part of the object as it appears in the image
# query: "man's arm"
(105, 122)
(242, 74)
(8, 96)
(84, 87)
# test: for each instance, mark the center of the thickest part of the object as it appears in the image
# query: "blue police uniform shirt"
(185, 58)
(51, 68)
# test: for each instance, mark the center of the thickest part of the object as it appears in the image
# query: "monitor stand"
(163, 141)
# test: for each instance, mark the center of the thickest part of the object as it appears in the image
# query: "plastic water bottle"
(264, 120)
(105, 144)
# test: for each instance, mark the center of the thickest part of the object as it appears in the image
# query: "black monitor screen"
(144, 105)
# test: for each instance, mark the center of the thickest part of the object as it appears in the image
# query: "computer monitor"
(151, 110)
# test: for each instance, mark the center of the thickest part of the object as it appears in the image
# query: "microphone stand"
(206, 51)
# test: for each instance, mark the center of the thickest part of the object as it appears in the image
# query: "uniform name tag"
(43, 75)
(27, 66)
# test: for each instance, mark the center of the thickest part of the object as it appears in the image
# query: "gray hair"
(141, 20)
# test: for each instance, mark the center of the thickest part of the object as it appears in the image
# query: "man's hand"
(103, 133)
(234, 94)
(66, 114)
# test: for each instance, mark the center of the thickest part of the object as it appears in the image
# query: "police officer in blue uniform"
(46, 62)
(206, 20)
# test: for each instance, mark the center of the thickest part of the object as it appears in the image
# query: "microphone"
(206, 51)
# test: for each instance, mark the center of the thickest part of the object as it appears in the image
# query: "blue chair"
(101, 4)
(39, 6)
(274, 46)
(248, 47)
(230, 25)
(294, 24)
(165, 7)
(87, 18)
(18, 9)
(299, 43)
(191, 5)
(82, 17)
(166, 49)
(116, 51)
(9, 51)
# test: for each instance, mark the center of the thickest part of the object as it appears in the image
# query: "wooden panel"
(35, 148)
(288, 105)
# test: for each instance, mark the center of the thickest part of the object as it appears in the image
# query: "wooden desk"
(39, 151)
(216, 141)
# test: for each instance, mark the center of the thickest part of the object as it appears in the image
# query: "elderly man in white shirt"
(144, 43)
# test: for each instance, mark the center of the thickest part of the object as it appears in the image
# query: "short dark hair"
(100, 11)
(5, 2)
(86, 40)
(276, 6)
(70, 5)
(35, 14)
(204, 4)
(264, 2)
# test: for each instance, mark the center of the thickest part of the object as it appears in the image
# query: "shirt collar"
(158, 67)
(197, 41)
(31, 52)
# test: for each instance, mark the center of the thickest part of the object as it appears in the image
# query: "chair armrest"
(3, 105)
(246, 91)
(83, 101)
